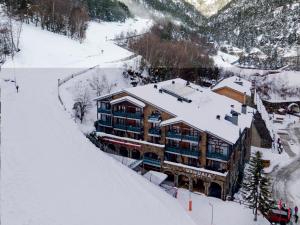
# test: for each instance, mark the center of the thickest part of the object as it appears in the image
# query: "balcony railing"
(151, 161)
(154, 131)
(136, 115)
(183, 151)
(172, 134)
(120, 126)
(104, 123)
(154, 118)
(136, 129)
(120, 113)
(104, 110)
(128, 128)
(190, 138)
(216, 155)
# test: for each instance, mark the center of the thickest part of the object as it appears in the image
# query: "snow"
(50, 173)
(68, 91)
(201, 112)
(197, 169)
(276, 160)
(289, 80)
(231, 82)
(129, 99)
(224, 212)
(101, 134)
(155, 177)
(71, 54)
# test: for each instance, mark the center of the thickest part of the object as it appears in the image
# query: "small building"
(235, 88)
(200, 139)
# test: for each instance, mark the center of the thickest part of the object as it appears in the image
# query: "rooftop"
(196, 106)
(236, 83)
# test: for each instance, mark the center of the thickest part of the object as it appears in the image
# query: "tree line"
(68, 17)
(174, 51)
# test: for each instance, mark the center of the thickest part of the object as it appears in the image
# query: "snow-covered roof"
(236, 83)
(155, 177)
(198, 107)
(128, 99)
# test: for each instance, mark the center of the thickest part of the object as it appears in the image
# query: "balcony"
(174, 135)
(136, 129)
(104, 123)
(154, 118)
(104, 110)
(151, 161)
(215, 155)
(154, 131)
(183, 151)
(120, 114)
(120, 126)
(136, 115)
(190, 138)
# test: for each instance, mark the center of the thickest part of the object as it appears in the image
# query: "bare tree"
(97, 83)
(82, 100)
(100, 84)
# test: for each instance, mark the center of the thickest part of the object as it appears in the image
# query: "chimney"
(235, 118)
(244, 109)
(218, 117)
(245, 97)
(155, 86)
(173, 81)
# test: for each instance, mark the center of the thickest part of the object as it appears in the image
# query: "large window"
(217, 146)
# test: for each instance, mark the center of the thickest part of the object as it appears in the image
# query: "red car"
(279, 216)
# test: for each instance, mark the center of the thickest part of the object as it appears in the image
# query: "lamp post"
(212, 213)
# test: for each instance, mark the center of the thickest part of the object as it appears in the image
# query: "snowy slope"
(41, 49)
(51, 174)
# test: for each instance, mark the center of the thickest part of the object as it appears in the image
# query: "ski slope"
(50, 173)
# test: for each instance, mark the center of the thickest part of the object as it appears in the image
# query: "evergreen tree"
(256, 187)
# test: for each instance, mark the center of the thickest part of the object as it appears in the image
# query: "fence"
(66, 79)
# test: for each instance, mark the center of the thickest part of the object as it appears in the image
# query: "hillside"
(209, 7)
(50, 173)
(178, 11)
(265, 24)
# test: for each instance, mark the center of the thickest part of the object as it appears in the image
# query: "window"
(194, 147)
(217, 146)
(173, 143)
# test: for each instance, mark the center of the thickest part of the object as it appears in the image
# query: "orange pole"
(190, 205)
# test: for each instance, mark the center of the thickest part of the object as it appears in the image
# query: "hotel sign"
(200, 173)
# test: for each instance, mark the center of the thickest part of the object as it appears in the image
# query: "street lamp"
(212, 213)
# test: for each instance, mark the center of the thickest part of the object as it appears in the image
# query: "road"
(284, 177)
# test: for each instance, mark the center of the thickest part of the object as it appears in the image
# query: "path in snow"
(285, 179)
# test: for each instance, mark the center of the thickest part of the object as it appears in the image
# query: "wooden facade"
(233, 94)
(190, 157)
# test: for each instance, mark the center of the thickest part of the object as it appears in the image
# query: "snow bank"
(50, 173)
(224, 212)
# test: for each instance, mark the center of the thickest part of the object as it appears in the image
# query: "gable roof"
(196, 106)
(129, 99)
(235, 83)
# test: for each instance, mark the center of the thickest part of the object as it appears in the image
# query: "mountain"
(208, 7)
(177, 10)
(264, 24)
